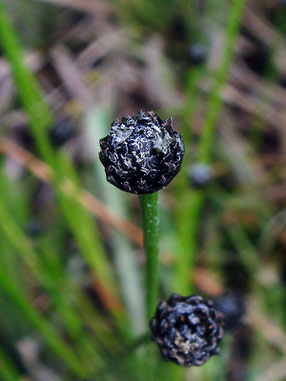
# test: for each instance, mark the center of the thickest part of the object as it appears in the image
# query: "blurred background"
(71, 255)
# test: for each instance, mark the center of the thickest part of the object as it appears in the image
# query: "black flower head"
(141, 154)
(200, 175)
(187, 329)
(232, 307)
(61, 133)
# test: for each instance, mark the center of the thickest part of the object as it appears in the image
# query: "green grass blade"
(38, 113)
(215, 101)
(40, 119)
(46, 329)
(186, 261)
(7, 368)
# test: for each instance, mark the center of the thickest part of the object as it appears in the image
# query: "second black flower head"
(187, 330)
(141, 154)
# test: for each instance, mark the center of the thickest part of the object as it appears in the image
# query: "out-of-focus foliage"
(72, 264)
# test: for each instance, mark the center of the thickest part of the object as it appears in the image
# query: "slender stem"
(150, 222)
(215, 102)
(188, 246)
(183, 215)
(33, 100)
(187, 220)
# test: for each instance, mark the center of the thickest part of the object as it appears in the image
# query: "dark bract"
(187, 329)
(232, 307)
(141, 154)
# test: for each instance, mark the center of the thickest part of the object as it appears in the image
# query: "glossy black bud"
(97, 62)
(24, 137)
(232, 307)
(197, 53)
(141, 154)
(187, 329)
(200, 175)
(34, 228)
(61, 133)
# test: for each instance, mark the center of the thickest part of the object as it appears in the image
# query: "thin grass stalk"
(183, 217)
(186, 262)
(50, 274)
(22, 246)
(76, 309)
(47, 330)
(8, 370)
(46, 276)
(215, 102)
(150, 223)
(45, 264)
(239, 237)
(38, 113)
(41, 119)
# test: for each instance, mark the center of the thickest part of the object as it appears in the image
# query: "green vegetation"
(75, 282)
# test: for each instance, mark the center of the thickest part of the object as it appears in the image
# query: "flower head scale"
(141, 154)
(187, 329)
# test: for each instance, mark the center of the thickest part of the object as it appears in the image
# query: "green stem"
(183, 217)
(186, 261)
(187, 221)
(215, 102)
(150, 222)
(40, 120)
(38, 113)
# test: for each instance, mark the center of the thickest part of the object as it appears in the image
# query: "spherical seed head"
(232, 307)
(61, 133)
(24, 137)
(200, 175)
(197, 53)
(34, 228)
(141, 154)
(187, 329)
